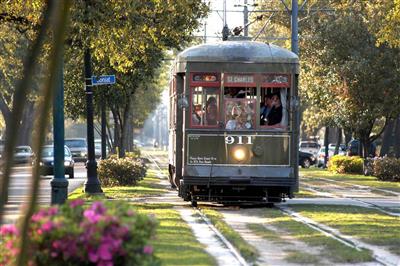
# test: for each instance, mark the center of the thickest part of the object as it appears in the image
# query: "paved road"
(19, 189)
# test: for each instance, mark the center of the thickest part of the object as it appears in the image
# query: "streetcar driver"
(275, 115)
(211, 111)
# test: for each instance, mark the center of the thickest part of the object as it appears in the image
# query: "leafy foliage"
(102, 233)
(387, 169)
(346, 164)
(120, 171)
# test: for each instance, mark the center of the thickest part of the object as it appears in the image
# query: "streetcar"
(224, 145)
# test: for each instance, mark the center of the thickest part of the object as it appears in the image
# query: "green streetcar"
(233, 123)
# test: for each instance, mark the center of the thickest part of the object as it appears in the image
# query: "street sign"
(103, 80)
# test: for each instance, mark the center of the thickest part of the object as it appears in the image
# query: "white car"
(310, 147)
(331, 152)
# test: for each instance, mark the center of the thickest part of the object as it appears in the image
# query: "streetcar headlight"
(239, 153)
(67, 163)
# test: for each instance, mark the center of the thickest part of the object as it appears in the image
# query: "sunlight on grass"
(371, 181)
(332, 249)
(306, 194)
(298, 257)
(248, 251)
(175, 243)
(368, 225)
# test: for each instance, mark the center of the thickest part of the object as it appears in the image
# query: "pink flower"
(8, 229)
(130, 213)
(47, 226)
(92, 216)
(93, 257)
(52, 211)
(148, 249)
(77, 202)
(98, 207)
(104, 252)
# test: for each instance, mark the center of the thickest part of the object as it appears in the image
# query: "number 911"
(238, 140)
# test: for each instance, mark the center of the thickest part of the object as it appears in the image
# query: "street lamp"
(92, 184)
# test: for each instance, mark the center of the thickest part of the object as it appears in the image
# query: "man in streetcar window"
(275, 115)
(211, 111)
(265, 109)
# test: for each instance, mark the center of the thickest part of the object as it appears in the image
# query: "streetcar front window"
(205, 107)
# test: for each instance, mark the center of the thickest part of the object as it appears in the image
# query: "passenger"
(235, 93)
(195, 117)
(265, 109)
(275, 115)
(211, 111)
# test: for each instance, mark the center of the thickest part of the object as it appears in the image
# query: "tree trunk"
(326, 143)
(25, 132)
(347, 137)
(387, 139)
(397, 138)
(338, 140)
(125, 129)
(117, 135)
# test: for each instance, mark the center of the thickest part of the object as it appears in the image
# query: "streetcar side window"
(204, 107)
(274, 108)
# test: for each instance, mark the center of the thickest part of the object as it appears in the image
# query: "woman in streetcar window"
(211, 111)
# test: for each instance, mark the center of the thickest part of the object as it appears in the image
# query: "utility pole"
(59, 185)
(92, 184)
(245, 19)
(294, 26)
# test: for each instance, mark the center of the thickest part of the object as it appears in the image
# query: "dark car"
(47, 161)
(306, 159)
(353, 148)
(23, 154)
(78, 147)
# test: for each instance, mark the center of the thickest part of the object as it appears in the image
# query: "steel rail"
(204, 218)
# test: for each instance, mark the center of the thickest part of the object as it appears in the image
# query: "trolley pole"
(92, 184)
(245, 19)
(294, 26)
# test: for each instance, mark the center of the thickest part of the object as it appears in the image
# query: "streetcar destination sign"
(103, 80)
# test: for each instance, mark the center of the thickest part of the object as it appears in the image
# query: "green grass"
(175, 243)
(249, 252)
(306, 194)
(332, 249)
(370, 226)
(265, 233)
(371, 181)
(298, 257)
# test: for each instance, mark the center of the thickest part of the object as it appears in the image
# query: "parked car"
(47, 161)
(23, 154)
(352, 148)
(97, 148)
(78, 148)
(331, 152)
(309, 146)
(306, 159)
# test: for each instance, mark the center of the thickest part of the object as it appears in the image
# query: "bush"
(387, 169)
(120, 171)
(346, 164)
(102, 233)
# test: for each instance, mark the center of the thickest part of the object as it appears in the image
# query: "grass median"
(311, 174)
(331, 249)
(175, 243)
(368, 225)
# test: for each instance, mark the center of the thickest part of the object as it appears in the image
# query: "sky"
(214, 22)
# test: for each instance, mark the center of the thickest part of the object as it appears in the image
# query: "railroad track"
(366, 204)
(225, 255)
(380, 256)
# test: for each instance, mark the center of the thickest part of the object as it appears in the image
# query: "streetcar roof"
(238, 51)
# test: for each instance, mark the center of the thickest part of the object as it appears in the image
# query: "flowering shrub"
(102, 233)
(387, 169)
(345, 164)
(120, 171)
